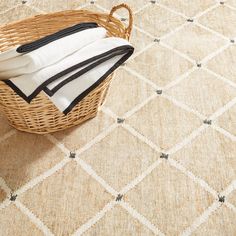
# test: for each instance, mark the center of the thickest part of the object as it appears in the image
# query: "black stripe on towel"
(62, 73)
(17, 90)
(127, 50)
(99, 81)
(119, 51)
(29, 47)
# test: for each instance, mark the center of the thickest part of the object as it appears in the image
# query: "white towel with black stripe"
(71, 79)
(31, 46)
(14, 64)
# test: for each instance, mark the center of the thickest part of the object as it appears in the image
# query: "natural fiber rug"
(160, 158)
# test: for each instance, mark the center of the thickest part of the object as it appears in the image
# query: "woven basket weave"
(41, 116)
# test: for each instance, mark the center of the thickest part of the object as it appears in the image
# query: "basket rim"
(108, 17)
(64, 12)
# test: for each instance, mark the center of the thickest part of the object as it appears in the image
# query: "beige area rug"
(160, 158)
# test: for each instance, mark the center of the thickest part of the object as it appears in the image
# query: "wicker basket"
(41, 116)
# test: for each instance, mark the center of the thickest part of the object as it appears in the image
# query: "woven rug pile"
(160, 158)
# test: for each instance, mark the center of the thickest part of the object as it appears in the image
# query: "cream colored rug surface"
(160, 158)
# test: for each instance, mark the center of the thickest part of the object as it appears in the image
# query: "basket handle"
(123, 5)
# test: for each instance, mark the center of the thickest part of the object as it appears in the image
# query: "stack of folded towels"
(66, 65)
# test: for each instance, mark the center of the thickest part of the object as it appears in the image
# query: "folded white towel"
(47, 54)
(73, 92)
(31, 84)
(31, 46)
(11, 53)
(69, 80)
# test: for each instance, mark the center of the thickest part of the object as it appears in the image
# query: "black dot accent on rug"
(207, 122)
(221, 199)
(120, 120)
(153, 1)
(232, 41)
(13, 197)
(222, 3)
(159, 91)
(92, 2)
(72, 155)
(119, 197)
(123, 19)
(23, 2)
(199, 65)
(190, 20)
(156, 40)
(164, 156)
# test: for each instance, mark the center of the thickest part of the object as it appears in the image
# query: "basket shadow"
(24, 156)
